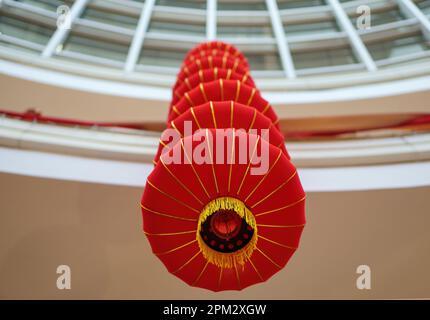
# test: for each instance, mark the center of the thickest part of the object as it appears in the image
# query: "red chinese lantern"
(223, 208)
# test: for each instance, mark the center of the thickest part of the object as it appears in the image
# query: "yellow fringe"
(221, 259)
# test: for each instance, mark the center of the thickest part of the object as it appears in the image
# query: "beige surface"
(96, 230)
(20, 95)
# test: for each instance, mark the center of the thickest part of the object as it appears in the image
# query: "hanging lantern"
(222, 211)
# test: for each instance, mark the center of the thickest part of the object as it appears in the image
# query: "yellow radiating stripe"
(253, 119)
(233, 151)
(213, 113)
(224, 61)
(271, 193)
(187, 82)
(175, 249)
(277, 243)
(167, 215)
(194, 170)
(202, 91)
(267, 257)
(212, 160)
(251, 96)
(200, 274)
(173, 198)
(216, 73)
(221, 88)
(228, 74)
(189, 99)
(281, 208)
(266, 108)
(176, 110)
(186, 263)
(245, 77)
(164, 144)
(249, 164)
(220, 276)
(231, 113)
(264, 177)
(236, 64)
(256, 270)
(237, 274)
(195, 118)
(238, 87)
(201, 76)
(180, 182)
(172, 123)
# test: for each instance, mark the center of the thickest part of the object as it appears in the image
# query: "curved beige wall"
(19, 95)
(96, 229)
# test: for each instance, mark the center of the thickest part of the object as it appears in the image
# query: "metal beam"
(61, 33)
(139, 36)
(211, 21)
(283, 48)
(410, 9)
(355, 40)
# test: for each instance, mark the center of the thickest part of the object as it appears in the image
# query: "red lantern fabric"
(225, 114)
(223, 208)
(224, 90)
(209, 63)
(174, 200)
(226, 47)
(215, 53)
(209, 75)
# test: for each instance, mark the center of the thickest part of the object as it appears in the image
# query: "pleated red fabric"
(223, 208)
(210, 63)
(224, 90)
(226, 114)
(216, 53)
(218, 45)
(208, 75)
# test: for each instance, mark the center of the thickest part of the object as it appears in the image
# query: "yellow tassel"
(221, 259)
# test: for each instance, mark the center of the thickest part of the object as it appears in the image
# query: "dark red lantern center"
(225, 224)
(225, 231)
